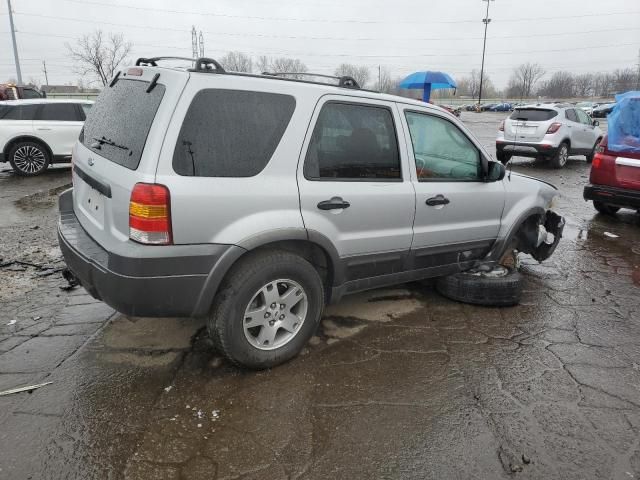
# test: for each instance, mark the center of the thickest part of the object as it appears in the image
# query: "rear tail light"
(150, 214)
(554, 127)
(501, 127)
(597, 161)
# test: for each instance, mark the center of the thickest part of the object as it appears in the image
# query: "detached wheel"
(560, 158)
(500, 287)
(267, 309)
(29, 159)
(605, 209)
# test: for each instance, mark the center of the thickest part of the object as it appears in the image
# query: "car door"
(587, 133)
(458, 214)
(576, 129)
(59, 125)
(355, 191)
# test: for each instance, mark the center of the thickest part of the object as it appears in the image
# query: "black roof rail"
(209, 65)
(343, 81)
(153, 61)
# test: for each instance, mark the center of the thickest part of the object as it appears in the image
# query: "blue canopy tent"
(427, 81)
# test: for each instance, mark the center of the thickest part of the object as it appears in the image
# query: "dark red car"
(614, 182)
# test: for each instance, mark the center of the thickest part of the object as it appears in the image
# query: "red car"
(614, 182)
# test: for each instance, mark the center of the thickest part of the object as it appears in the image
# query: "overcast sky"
(402, 35)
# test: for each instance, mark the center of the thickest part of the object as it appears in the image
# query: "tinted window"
(59, 112)
(30, 93)
(441, 150)
(533, 114)
(353, 142)
(571, 115)
(86, 108)
(231, 133)
(123, 114)
(19, 112)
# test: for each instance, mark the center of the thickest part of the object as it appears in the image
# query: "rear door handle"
(42, 128)
(437, 200)
(334, 204)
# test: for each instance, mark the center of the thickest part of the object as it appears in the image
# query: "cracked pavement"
(397, 383)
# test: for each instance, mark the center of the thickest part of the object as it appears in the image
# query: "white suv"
(36, 133)
(548, 131)
(254, 199)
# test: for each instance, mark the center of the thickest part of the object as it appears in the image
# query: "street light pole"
(486, 20)
(15, 45)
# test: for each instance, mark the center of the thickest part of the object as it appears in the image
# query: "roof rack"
(343, 81)
(153, 61)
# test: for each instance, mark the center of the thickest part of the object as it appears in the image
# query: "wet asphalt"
(397, 383)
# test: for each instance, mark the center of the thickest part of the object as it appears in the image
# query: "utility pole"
(15, 45)
(378, 77)
(486, 20)
(201, 42)
(44, 69)
(194, 42)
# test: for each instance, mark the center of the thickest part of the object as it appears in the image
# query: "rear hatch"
(119, 147)
(615, 169)
(528, 124)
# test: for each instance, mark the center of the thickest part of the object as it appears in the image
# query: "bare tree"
(97, 56)
(524, 78)
(281, 65)
(559, 86)
(471, 85)
(583, 85)
(359, 74)
(237, 62)
(625, 79)
(384, 83)
(36, 82)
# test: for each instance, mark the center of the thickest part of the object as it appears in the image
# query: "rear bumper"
(153, 281)
(522, 149)
(620, 197)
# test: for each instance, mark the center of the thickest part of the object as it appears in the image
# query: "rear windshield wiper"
(104, 140)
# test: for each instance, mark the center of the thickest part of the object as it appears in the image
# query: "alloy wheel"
(29, 159)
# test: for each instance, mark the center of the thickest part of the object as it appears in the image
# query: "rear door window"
(231, 133)
(571, 115)
(63, 112)
(123, 115)
(353, 142)
(533, 114)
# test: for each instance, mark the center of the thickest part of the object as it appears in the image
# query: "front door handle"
(334, 204)
(437, 200)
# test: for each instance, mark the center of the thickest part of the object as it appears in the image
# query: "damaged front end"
(539, 235)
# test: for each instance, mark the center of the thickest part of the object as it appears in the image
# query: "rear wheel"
(29, 159)
(593, 151)
(267, 309)
(605, 209)
(561, 156)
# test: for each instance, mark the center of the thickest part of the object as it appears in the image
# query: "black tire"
(478, 289)
(29, 159)
(593, 151)
(225, 323)
(605, 209)
(559, 159)
(503, 157)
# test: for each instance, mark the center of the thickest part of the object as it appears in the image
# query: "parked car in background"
(586, 107)
(614, 181)
(37, 133)
(252, 200)
(501, 107)
(451, 109)
(10, 91)
(487, 107)
(601, 111)
(551, 132)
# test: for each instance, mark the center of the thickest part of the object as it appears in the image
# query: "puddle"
(43, 199)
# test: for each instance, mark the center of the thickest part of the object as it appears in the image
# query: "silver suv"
(549, 131)
(253, 200)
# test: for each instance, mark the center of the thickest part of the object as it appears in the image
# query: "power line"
(305, 37)
(333, 20)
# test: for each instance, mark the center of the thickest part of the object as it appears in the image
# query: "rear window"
(533, 114)
(122, 115)
(231, 133)
(18, 112)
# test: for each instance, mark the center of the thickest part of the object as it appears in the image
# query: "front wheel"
(605, 209)
(559, 160)
(267, 309)
(29, 159)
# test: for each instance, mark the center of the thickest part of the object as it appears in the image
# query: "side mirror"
(496, 172)
(595, 123)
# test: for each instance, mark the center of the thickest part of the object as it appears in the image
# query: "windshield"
(533, 114)
(119, 122)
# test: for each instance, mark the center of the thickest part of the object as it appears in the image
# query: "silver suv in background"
(253, 200)
(549, 131)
